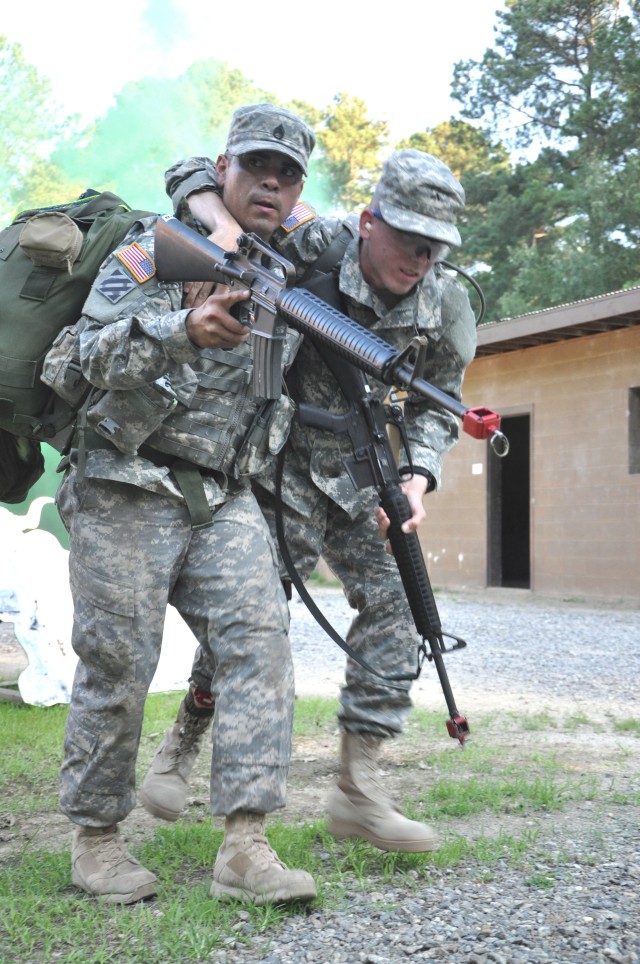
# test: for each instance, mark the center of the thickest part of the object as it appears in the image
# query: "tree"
(219, 90)
(467, 150)
(45, 184)
(561, 83)
(29, 126)
(561, 73)
(351, 146)
(128, 149)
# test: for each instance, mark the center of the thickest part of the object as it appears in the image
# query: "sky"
(401, 65)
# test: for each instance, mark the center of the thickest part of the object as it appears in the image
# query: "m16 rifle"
(351, 352)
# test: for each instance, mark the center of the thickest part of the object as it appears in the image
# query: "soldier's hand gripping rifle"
(183, 255)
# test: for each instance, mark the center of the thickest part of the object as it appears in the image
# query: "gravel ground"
(581, 901)
(522, 652)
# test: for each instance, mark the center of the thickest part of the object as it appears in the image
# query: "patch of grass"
(577, 720)
(318, 580)
(542, 879)
(483, 852)
(626, 798)
(312, 716)
(43, 919)
(627, 726)
(538, 721)
(477, 757)
(159, 713)
(29, 773)
(424, 721)
(500, 793)
(347, 861)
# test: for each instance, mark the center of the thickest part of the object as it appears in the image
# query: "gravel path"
(522, 652)
(581, 901)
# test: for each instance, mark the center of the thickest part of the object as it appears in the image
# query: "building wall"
(585, 504)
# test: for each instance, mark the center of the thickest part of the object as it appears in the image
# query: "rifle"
(373, 464)
(350, 351)
(182, 254)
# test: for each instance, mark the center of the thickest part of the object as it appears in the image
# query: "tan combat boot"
(247, 867)
(164, 788)
(359, 807)
(102, 865)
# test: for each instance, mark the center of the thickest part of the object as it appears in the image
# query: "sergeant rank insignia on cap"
(137, 261)
(300, 215)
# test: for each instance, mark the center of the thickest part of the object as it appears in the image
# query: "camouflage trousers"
(382, 632)
(132, 553)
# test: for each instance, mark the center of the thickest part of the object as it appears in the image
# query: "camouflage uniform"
(133, 550)
(323, 513)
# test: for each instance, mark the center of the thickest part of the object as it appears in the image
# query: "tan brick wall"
(585, 506)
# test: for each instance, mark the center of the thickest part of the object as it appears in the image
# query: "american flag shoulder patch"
(116, 286)
(137, 261)
(300, 215)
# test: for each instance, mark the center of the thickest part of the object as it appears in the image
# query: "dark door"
(509, 562)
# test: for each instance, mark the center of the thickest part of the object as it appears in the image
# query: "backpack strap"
(332, 255)
(38, 285)
(188, 478)
(187, 475)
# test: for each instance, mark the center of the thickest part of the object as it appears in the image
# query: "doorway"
(509, 550)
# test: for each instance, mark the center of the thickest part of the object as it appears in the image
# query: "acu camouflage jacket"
(438, 308)
(158, 390)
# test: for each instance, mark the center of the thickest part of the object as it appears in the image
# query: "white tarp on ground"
(35, 597)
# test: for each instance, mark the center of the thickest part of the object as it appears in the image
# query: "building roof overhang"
(618, 309)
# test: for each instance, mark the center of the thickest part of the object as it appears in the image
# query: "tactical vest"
(215, 422)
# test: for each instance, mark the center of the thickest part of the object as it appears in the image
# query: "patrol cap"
(417, 192)
(263, 127)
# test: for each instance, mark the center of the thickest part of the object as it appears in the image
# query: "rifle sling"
(308, 599)
(329, 259)
(326, 286)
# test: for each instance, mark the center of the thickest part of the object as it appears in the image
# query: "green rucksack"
(49, 257)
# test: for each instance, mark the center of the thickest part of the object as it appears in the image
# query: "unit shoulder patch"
(137, 261)
(116, 286)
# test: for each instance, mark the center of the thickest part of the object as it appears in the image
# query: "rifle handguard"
(417, 586)
(408, 555)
